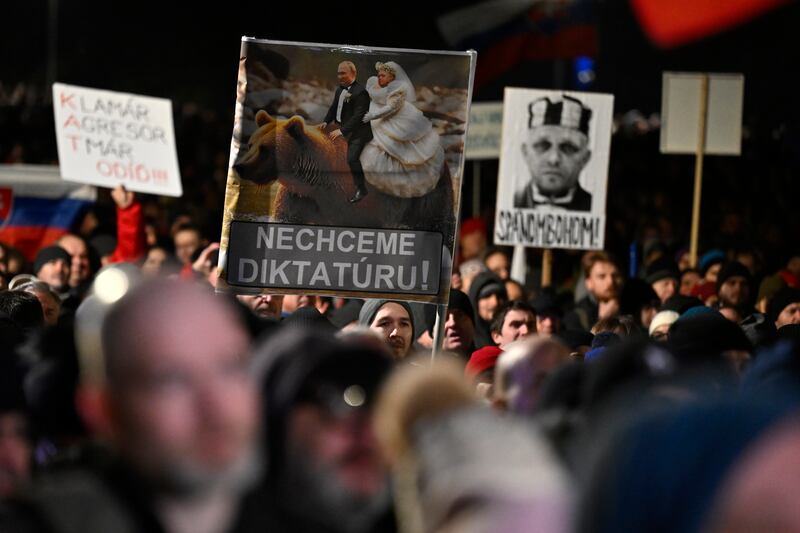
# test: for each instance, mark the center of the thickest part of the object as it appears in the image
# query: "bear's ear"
(295, 126)
(262, 117)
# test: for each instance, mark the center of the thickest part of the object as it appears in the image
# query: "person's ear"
(586, 157)
(496, 337)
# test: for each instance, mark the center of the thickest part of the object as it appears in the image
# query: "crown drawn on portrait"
(568, 112)
(386, 67)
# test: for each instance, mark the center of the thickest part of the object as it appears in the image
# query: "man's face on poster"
(555, 156)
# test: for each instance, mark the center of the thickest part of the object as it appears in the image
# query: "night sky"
(173, 50)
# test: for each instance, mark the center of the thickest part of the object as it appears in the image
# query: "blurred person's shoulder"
(89, 493)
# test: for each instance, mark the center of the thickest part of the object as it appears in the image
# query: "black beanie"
(50, 253)
(309, 318)
(782, 298)
(661, 268)
(346, 314)
(680, 303)
(574, 338)
(458, 300)
(731, 269)
(703, 337)
(546, 303)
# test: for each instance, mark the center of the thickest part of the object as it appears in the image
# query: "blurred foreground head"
(741, 454)
(522, 370)
(324, 467)
(177, 399)
(460, 468)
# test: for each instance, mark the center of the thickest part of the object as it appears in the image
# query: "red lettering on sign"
(74, 139)
(67, 99)
(72, 121)
(131, 171)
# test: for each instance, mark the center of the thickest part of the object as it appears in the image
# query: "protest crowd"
(135, 399)
(634, 391)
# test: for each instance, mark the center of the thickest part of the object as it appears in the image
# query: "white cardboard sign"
(553, 176)
(680, 112)
(108, 138)
(485, 127)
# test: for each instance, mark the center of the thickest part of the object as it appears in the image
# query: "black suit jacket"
(581, 199)
(353, 112)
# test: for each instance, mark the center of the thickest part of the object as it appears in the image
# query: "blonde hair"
(386, 67)
(413, 393)
(350, 65)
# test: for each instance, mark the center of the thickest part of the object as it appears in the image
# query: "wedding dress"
(405, 156)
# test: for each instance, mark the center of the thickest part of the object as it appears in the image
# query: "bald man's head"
(183, 401)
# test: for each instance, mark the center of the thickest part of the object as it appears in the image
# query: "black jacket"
(581, 199)
(353, 111)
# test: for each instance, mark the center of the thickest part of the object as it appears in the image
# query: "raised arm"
(130, 226)
(394, 101)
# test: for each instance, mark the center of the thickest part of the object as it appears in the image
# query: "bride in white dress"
(405, 156)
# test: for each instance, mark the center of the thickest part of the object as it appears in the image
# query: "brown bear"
(316, 183)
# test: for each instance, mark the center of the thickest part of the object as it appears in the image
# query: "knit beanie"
(661, 318)
(784, 297)
(50, 253)
(709, 259)
(731, 269)
(703, 337)
(371, 308)
(481, 360)
(309, 318)
(661, 268)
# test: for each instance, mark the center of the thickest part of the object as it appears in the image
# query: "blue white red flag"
(37, 206)
(508, 33)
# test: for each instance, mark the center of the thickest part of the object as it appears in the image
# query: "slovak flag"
(509, 33)
(37, 206)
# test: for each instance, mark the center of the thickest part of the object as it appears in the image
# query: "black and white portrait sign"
(553, 169)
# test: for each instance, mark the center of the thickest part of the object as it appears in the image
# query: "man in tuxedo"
(350, 104)
(556, 150)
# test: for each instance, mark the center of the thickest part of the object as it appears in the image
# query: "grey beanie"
(371, 308)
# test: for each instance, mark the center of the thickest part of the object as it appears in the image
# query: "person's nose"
(450, 322)
(524, 330)
(553, 157)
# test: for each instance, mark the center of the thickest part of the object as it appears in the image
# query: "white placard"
(553, 174)
(680, 112)
(485, 127)
(108, 138)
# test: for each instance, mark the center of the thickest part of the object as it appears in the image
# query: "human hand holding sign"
(122, 197)
(203, 264)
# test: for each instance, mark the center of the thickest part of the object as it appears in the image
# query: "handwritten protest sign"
(346, 171)
(108, 138)
(551, 190)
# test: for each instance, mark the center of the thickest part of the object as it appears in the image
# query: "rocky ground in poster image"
(446, 109)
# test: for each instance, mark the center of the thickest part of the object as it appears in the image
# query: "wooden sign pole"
(547, 267)
(698, 169)
(438, 331)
